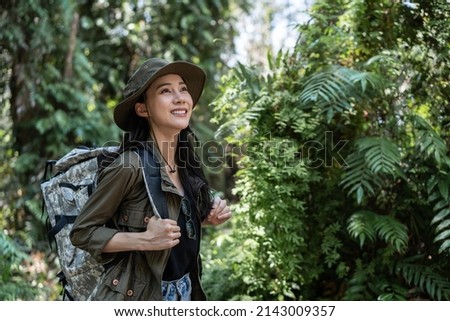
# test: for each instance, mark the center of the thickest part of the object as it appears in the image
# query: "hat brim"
(193, 76)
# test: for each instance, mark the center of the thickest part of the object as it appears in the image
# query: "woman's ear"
(141, 110)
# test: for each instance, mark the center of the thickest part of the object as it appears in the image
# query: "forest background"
(333, 152)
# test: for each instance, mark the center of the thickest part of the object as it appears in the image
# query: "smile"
(179, 112)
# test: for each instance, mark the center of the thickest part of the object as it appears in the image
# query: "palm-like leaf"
(361, 226)
(373, 157)
(429, 142)
(368, 225)
(333, 89)
(381, 154)
(423, 277)
(392, 231)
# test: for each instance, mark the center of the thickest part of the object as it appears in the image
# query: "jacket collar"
(166, 183)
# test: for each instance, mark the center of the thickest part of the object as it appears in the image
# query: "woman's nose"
(179, 97)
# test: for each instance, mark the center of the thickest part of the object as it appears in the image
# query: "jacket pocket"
(122, 282)
(133, 220)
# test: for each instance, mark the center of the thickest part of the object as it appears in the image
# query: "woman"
(147, 257)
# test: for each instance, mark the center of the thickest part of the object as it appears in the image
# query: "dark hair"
(188, 163)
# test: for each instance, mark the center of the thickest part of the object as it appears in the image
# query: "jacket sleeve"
(89, 231)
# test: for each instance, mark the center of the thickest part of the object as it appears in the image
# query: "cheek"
(189, 100)
(157, 105)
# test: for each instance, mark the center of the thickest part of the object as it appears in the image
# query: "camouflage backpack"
(65, 194)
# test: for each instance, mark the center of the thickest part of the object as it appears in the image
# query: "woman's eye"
(165, 90)
(184, 88)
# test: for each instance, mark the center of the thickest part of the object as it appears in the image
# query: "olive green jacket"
(120, 203)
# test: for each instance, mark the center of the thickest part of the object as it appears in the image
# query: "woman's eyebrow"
(168, 84)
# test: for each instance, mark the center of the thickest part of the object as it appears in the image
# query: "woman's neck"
(167, 146)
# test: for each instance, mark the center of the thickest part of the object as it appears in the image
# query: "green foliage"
(340, 147)
(18, 281)
(434, 149)
(334, 89)
(366, 225)
(425, 279)
(373, 158)
(63, 68)
(276, 173)
(367, 160)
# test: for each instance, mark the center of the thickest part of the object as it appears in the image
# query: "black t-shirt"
(183, 256)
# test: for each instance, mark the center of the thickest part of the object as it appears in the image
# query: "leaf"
(381, 154)
(423, 277)
(443, 188)
(445, 247)
(333, 89)
(373, 156)
(359, 194)
(443, 225)
(440, 215)
(360, 226)
(392, 231)
(442, 236)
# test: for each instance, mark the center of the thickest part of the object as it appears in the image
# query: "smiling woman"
(146, 256)
(168, 107)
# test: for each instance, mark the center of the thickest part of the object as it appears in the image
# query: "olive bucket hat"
(149, 71)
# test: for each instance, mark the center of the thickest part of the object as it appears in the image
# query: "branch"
(68, 69)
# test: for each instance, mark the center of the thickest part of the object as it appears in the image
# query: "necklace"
(172, 169)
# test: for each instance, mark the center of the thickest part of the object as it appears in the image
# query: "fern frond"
(360, 283)
(381, 154)
(445, 246)
(333, 89)
(358, 178)
(392, 231)
(439, 195)
(367, 80)
(443, 225)
(429, 142)
(361, 226)
(429, 282)
(9, 248)
(364, 225)
(373, 156)
(442, 236)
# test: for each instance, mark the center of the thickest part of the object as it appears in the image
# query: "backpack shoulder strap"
(152, 178)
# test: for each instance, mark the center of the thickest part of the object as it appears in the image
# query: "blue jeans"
(178, 290)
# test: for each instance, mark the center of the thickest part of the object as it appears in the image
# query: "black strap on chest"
(152, 178)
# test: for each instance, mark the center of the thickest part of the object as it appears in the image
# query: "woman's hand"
(161, 234)
(220, 212)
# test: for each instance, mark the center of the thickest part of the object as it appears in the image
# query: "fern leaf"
(361, 227)
(367, 225)
(429, 282)
(11, 251)
(442, 236)
(358, 178)
(333, 89)
(443, 225)
(443, 186)
(444, 247)
(442, 214)
(367, 80)
(381, 154)
(357, 287)
(429, 142)
(392, 232)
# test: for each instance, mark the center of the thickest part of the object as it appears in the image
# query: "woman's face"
(169, 104)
